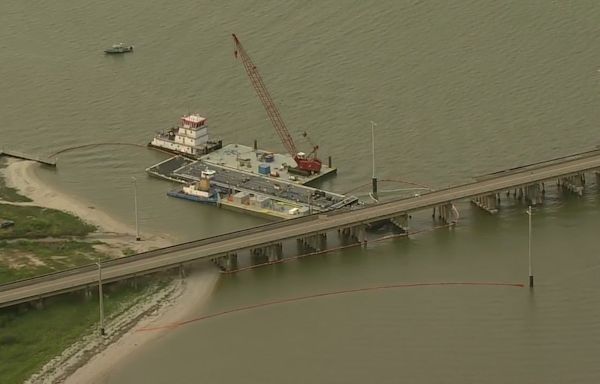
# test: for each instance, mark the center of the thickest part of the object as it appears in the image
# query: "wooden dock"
(25, 156)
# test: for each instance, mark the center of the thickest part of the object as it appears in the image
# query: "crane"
(305, 163)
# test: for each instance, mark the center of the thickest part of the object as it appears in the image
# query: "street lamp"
(137, 227)
(529, 213)
(374, 179)
(101, 299)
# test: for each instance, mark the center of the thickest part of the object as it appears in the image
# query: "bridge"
(267, 239)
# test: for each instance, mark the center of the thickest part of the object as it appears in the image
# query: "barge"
(239, 177)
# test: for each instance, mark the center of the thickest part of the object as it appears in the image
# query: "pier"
(25, 156)
(314, 231)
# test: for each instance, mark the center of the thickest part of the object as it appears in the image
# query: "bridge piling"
(362, 235)
(231, 261)
(489, 203)
(445, 213)
(87, 292)
(274, 252)
(226, 263)
(573, 183)
(533, 194)
(354, 234)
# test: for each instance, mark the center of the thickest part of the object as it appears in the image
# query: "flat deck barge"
(247, 160)
(255, 193)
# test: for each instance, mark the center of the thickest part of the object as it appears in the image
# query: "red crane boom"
(304, 163)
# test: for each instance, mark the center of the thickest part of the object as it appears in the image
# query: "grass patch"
(24, 258)
(30, 337)
(38, 222)
(7, 193)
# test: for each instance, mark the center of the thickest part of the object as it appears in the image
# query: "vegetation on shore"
(41, 241)
(44, 240)
(36, 222)
(31, 337)
(24, 258)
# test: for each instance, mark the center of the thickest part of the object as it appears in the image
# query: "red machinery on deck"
(306, 163)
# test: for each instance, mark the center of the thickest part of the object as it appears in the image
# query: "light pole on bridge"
(101, 299)
(137, 227)
(374, 178)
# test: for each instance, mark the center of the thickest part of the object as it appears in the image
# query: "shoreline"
(91, 358)
(20, 175)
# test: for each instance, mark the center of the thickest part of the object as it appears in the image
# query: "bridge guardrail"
(155, 252)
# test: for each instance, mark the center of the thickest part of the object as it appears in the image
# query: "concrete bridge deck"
(47, 285)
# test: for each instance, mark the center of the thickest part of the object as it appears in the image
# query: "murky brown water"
(457, 90)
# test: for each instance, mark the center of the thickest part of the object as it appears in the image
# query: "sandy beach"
(188, 295)
(90, 359)
(20, 174)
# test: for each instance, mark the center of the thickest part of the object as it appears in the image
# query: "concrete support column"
(440, 212)
(445, 213)
(318, 241)
(231, 262)
(227, 263)
(356, 234)
(274, 252)
(322, 240)
(489, 203)
(87, 292)
(362, 235)
(533, 194)
(573, 183)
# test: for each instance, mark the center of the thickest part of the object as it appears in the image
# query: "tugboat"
(189, 139)
(119, 48)
(201, 191)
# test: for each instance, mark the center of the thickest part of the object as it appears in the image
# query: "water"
(456, 90)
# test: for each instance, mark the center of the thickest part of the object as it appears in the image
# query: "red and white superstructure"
(189, 138)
